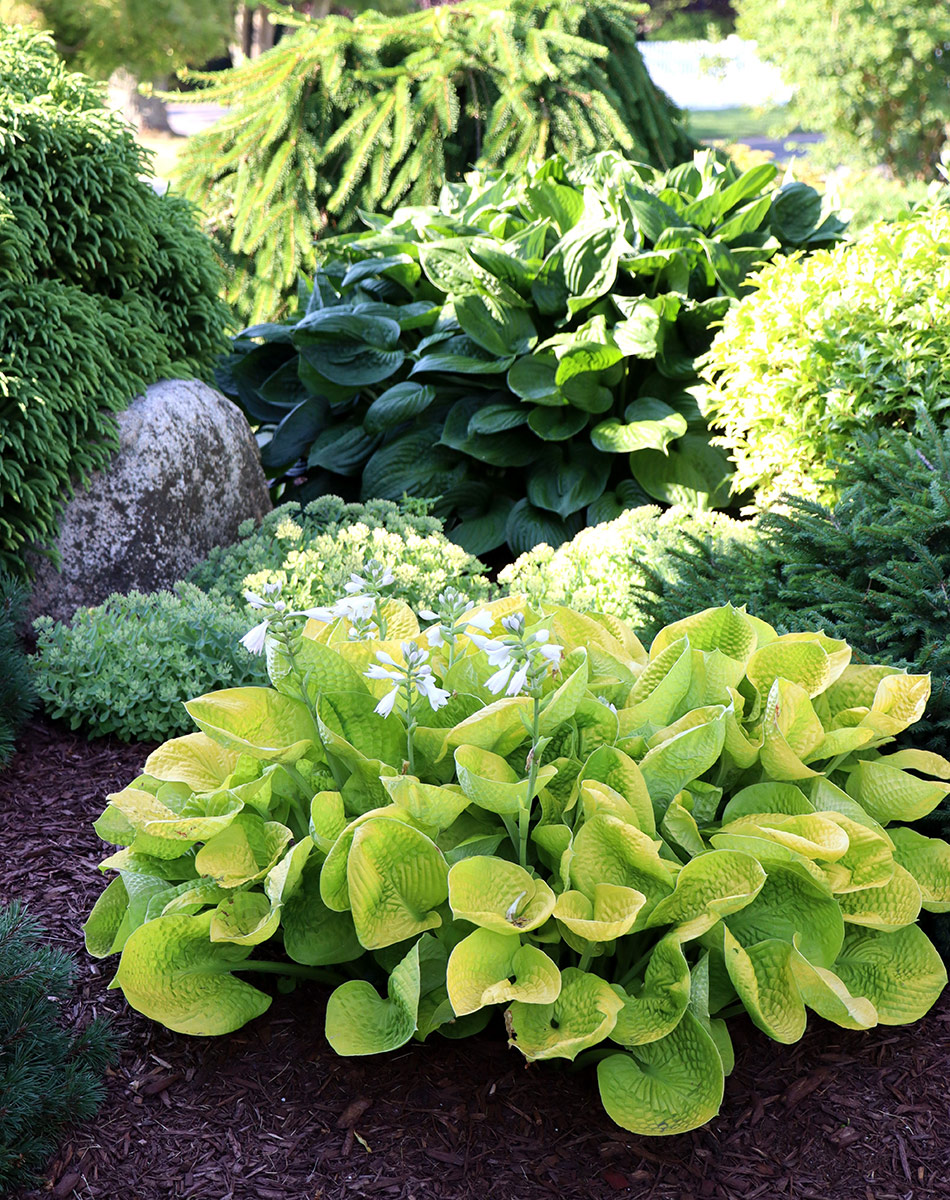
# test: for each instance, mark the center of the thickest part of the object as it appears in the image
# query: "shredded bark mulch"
(270, 1113)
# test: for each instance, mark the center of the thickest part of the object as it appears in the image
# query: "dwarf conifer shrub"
(17, 697)
(525, 808)
(105, 287)
(826, 346)
(365, 114)
(525, 350)
(50, 1076)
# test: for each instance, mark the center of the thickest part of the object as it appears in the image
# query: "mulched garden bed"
(270, 1113)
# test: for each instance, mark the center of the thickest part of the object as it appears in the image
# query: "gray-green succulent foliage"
(526, 808)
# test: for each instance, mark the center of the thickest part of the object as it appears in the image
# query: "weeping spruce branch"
(367, 114)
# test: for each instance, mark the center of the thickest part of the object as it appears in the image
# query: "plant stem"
(585, 960)
(524, 813)
(410, 727)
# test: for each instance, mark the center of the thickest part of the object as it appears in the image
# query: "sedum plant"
(526, 349)
(526, 809)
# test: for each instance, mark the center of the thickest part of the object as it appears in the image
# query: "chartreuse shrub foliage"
(312, 550)
(526, 809)
(873, 75)
(17, 696)
(126, 666)
(845, 340)
(525, 350)
(105, 287)
(352, 115)
(50, 1076)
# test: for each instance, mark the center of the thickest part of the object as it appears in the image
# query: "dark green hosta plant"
(525, 349)
(527, 810)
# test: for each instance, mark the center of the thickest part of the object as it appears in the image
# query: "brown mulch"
(270, 1113)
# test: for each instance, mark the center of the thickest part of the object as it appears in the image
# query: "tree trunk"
(146, 113)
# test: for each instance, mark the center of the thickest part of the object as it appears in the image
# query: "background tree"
(874, 75)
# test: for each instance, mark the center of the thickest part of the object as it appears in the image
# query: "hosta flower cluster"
(528, 810)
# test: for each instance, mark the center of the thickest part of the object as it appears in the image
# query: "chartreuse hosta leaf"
(493, 968)
(618, 771)
(715, 885)
(499, 895)
(497, 728)
(811, 835)
(488, 781)
(660, 687)
(887, 907)
(667, 1086)
(682, 752)
(171, 971)
(313, 934)
(257, 721)
(428, 804)
(762, 975)
(607, 850)
(928, 860)
(333, 884)
(359, 1021)
(609, 913)
(654, 1007)
(250, 918)
(195, 759)
(890, 794)
(900, 972)
(148, 815)
(396, 878)
(584, 1014)
(243, 852)
(791, 730)
(810, 660)
(791, 903)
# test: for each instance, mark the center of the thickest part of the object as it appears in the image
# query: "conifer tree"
(363, 115)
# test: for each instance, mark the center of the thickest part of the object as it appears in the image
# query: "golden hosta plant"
(529, 809)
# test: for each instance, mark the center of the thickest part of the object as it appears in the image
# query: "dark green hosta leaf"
(650, 425)
(557, 424)
(796, 211)
(707, 210)
(242, 376)
(401, 402)
(486, 531)
(589, 256)
(413, 463)
(371, 267)
(342, 450)
(496, 327)
(500, 450)
(692, 473)
(565, 481)
(453, 271)
(528, 526)
(534, 377)
(651, 216)
(496, 418)
(350, 348)
(462, 356)
(563, 205)
(627, 494)
(744, 221)
(294, 434)
(517, 270)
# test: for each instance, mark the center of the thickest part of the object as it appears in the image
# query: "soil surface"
(270, 1113)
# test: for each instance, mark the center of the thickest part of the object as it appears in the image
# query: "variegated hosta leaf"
(791, 730)
(687, 750)
(257, 721)
(609, 914)
(488, 781)
(900, 973)
(359, 1021)
(606, 850)
(889, 794)
(664, 1087)
(333, 881)
(928, 860)
(763, 978)
(660, 687)
(396, 878)
(583, 1015)
(661, 999)
(789, 903)
(707, 889)
(195, 759)
(809, 834)
(493, 968)
(727, 629)
(171, 972)
(618, 771)
(499, 895)
(243, 852)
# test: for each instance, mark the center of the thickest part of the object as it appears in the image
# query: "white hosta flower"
(254, 639)
(518, 681)
(355, 608)
(320, 614)
(434, 635)
(428, 615)
(551, 653)
(386, 705)
(481, 620)
(437, 697)
(498, 652)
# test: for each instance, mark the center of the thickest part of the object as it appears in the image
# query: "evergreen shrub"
(105, 287)
(17, 696)
(49, 1076)
(312, 551)
(846, 339)
(364, 114)
(125, 666)
(525, 350)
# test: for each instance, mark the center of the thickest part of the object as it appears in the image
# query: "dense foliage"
(312, 551)
(354, 115)
(623, 849)
(17, 697)
(847, 339)
(874, 75)
(873, 570)
(49, 1076)
(125, 666)
(105, 287)
(525, 351)
(607, 567)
